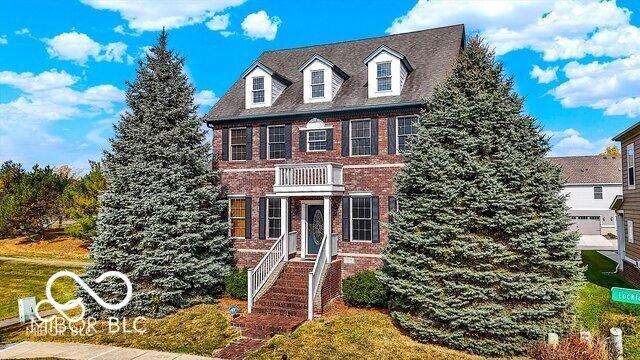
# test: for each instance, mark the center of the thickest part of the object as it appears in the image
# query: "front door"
(315, 228)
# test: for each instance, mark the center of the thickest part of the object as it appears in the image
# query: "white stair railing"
(315, 275)
(259, 275)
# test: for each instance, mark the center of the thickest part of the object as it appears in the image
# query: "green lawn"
(24, 279)
(596, 311)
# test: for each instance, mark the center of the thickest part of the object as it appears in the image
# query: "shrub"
(570, 348)
(628, 323)
(235, 284)
(364, 290)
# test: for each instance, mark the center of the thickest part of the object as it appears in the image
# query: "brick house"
(627, 207)
(309, 141)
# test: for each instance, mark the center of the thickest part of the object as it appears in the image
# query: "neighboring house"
(309, 141)
(627, 206)
(592, 182)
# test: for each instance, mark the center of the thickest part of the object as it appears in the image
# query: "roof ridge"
(359, 40)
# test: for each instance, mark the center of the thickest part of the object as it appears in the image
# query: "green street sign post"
(623, 295)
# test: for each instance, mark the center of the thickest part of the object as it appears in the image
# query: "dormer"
(262, 86)
(321, 79)
(387, 70)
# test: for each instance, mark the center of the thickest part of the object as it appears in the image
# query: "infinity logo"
(62, 308)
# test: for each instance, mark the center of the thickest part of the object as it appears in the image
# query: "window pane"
(406, 128)
(384, 84)
(273, 216)
(317, 77)
(317, 140)
(361, 137)
(276, 142)
(258, 96)
(238, 144)
(317, 91)
(258, 83)
(237, 217)
(384, 69)
(361, 218)
(238, 136)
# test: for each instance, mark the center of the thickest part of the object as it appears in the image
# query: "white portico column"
(284, 223)
(327, 226)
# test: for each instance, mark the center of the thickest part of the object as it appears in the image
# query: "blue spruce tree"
(480, 257)
(160, 220)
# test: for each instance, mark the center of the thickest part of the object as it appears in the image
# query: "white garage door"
(586, 225)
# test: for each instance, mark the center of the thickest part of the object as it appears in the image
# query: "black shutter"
(249, 142)
(346, 213)
(225, 144)
(263, 142)
(391, 135)
(345, 137)
(302, 146)
(393, 206)
(329, 139)
(247, 223)
(262, 213)
(287, 141)
(374, 136)
(375, 219)
(225, 212)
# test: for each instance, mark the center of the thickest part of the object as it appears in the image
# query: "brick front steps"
(239, 349)
(264, 326)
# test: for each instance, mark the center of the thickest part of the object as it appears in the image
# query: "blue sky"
(63, 64)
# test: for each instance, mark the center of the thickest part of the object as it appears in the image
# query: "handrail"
(315, 274)
(259, 275)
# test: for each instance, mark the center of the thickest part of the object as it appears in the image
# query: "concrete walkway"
(597, 242)
(29, 349)
(52, 262)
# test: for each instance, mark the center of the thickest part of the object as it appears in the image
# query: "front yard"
(55, 245)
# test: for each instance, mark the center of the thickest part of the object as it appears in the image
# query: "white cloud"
(23, 31)
(28, 82)
(151, 15)
(205, 97)
(218, 22)
(613, 86)
(3, 40)
(544, 76)
(570, 142)
(259, 25)
(557, 29)
(227, 33)
(79, 47)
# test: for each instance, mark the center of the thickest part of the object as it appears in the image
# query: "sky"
(64, 64)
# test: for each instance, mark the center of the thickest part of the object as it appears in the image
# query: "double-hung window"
(383, 75)
(360, 137)
(276, 142)
(630, 231)
(273, 218)
(317, 140)
(361, 218)
(237, 217)
(631, 167)
(258, 90)
(597, 192)
(238, 143)
(406, 128)
(317, 83)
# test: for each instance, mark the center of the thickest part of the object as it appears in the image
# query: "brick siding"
(332, 285)
(631, 273)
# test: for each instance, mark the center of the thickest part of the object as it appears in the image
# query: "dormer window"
(321, 79)
(317, 84)
(384, 76)
(258, 90)
(387, 71)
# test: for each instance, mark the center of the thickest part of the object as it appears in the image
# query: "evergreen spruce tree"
(479, 255)
(160, 220)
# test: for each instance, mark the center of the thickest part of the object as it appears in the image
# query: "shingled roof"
(598, 169)
(431, 53)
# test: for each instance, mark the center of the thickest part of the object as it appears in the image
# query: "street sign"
(623, 295)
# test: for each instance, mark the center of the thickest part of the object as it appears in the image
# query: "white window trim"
(231, 145)
(267, 220)
(269, 145)
(397, 132)
(631, 148)
(311, 84)
(351, 137)
(601, 192)
(630, 232)
(264, 98)
(390, 77)
(233, 197)
(309, 141)
(351, 218)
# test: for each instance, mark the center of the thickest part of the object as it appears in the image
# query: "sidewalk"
(29, 349)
